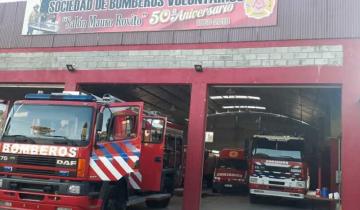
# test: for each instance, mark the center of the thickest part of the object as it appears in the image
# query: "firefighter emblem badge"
(233, 154)
(259, 9)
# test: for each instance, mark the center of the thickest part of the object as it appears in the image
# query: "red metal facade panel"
(7, 24)
(181, 37)
(110, 39)
(343, 18)
(161, 37)
(135, 38)
(86, 40)
(214, 35)
(42, 41)
(64, 40)
(18, 40)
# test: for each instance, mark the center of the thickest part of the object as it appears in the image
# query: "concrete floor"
(231, 202)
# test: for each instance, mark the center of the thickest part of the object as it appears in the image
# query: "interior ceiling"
(171, 101)
(309, 105)
(304, 104)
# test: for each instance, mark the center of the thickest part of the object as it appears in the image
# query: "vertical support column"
(195, 147)
(350, 125)
(350, 143)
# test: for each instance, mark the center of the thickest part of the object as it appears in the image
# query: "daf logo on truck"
(66, 162)
(45, 150)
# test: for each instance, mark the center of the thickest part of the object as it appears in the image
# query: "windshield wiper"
(290, 158)
(21, 138)
(65, 140)
(261, 155)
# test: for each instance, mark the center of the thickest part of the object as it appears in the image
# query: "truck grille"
(277, 169)
(36, 161)
(277, 172)
(34, 171)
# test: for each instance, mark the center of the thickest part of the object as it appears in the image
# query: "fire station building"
(202, 45)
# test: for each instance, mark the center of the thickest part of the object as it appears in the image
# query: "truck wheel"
(114, 200)
(158, 203)
(253, 198)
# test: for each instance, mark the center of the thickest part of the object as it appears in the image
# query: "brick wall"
(209, 58)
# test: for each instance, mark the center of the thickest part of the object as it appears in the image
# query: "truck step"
(135, 200)
(158, 196)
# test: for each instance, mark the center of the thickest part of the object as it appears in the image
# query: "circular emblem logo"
(259, 9)
(233, 154)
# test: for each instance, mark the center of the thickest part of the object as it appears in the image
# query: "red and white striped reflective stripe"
(135, 180)
(98, 170)
(110, 169)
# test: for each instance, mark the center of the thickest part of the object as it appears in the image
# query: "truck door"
(152, 156)
(117, 150)
(4, 107)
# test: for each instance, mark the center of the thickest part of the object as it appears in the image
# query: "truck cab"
(73, 151)
(277, 167)
(230, 171)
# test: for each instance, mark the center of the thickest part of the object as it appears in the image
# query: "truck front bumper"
(25, 193)
(21, 200)
(229, 186)
(277, 193)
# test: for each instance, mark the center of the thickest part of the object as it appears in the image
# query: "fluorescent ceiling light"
(235, 97)
(244, 107)
(259, 112)
(215, 151)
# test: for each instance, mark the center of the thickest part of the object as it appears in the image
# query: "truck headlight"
(1, 183)
(253, 180)
(300, 184)
(74, 189)
(295, 170)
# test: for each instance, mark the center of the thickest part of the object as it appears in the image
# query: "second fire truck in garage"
(230, 171)
(277, 167)
(76, 151)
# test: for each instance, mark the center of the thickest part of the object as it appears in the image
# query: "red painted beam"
(275, 75)
(195, 147)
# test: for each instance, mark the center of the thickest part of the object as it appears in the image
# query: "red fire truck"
(277, 167)
(77, 151)
(230, 171)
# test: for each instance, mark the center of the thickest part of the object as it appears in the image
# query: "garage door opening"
(269, 146)
(172, 102)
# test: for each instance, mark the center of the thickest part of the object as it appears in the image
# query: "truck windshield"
(232, 164)
(54, 124)
(279, 150)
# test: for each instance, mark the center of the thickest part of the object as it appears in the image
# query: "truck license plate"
(228, 185)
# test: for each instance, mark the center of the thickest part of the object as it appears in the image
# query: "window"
(119, 123)
(124, 127)
(103, 134)
(50, 122)
(153, 130)
(2, 111)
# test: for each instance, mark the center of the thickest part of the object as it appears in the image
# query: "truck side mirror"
(99, 122)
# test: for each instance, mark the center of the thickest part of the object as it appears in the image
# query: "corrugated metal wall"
(297, 19)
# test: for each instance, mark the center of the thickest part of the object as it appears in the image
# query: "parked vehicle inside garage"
(277, 167)
(230, 171)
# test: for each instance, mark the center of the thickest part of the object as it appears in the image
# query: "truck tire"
(253, 198)
(158, 203)
(114, 199)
